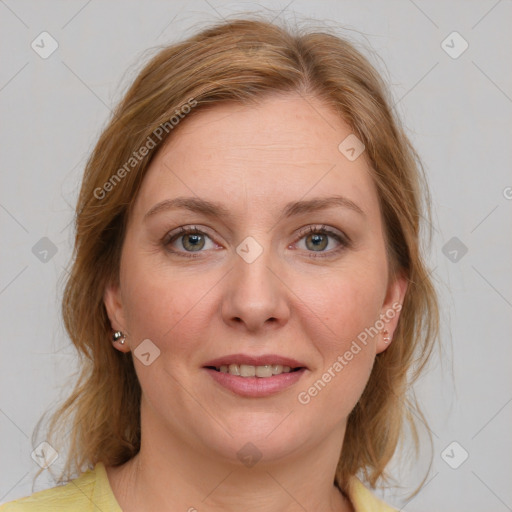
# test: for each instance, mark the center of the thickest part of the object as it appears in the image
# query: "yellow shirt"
(91, 492)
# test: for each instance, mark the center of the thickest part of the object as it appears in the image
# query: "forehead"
(259, 157)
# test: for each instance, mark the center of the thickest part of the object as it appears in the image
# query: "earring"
(386, 338)
(118, 336)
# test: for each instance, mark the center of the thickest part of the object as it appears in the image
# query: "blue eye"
(320, 240)
(189, 239)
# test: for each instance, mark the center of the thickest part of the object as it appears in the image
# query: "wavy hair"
(241, 61)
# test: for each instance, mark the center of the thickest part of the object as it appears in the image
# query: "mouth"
(249, 370)
(255, 376)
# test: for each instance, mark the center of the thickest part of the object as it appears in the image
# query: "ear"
(115, 311)
(391, 309)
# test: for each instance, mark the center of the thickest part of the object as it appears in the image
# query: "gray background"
(458, 112)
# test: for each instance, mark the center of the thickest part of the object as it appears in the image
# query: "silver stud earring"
(119, 337)
(386, 338)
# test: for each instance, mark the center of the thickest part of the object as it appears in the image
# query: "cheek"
(341, 306)
(166, 308)
(339, 322)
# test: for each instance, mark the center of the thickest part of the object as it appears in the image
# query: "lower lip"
(256, 387)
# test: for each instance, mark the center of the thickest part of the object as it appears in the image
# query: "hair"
(241, 61)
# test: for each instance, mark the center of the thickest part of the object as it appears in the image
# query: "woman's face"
(285, 264)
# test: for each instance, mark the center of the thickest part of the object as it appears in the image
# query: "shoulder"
(363, 500)
(89, 492)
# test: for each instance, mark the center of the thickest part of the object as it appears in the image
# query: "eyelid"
(322, 228)
(183, 230)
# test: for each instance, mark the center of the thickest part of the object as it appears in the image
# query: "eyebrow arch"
(215, 209)
(320, 203)
(193, 204)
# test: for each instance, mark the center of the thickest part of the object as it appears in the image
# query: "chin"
(257, 435)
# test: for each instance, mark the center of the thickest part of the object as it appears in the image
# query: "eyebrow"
(215, 209)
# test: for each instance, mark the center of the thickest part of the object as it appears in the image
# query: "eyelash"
(342, 239)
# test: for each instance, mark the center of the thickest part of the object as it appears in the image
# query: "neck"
(170, 474)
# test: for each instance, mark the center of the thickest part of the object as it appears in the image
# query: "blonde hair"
(240, 61)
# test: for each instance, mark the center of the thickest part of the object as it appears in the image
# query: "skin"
(254, 160)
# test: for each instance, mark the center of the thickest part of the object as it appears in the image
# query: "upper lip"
(263, 360)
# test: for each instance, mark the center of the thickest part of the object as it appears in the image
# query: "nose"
(255, 298)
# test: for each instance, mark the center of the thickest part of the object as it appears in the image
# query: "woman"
(247, 291)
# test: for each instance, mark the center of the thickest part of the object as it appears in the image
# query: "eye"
(188, 239)
(322, 240)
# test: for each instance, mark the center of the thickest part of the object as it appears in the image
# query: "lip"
(256, 360)
(255, 387)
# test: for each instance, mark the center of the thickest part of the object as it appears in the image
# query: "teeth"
(247, 370)
(277, 369)
(264, 371)
(234, 369)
